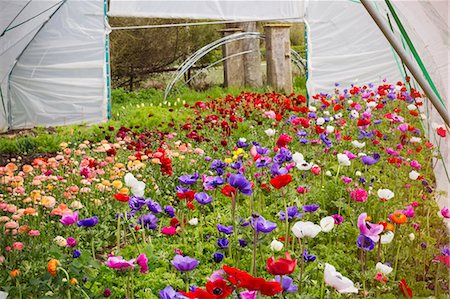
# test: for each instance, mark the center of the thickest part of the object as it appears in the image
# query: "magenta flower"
(142, 261)
(368, 229)
(409, 212)
(69, 219)
(118, 263)
(359, 195)
(445, 212)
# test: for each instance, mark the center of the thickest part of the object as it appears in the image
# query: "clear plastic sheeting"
(243, 10)
(427, 25)
(345, 46)
(53, 64)
(20, 20)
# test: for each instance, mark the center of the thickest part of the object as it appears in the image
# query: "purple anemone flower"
(189, 179)
(261, 225)
(292, 213)
(136, 202)
(286, 284)
(263, 162)
(218, 257)
(169, 211)
(212, 182)
(308, 257)
(326, 141)
(148, 221)
(153, 206)
(88, 222)
(262, 150)
(284, 155)
(170, 293)
(241, 143)
(365, 243)
(222, 243)
(276, 170)
(225, 229)
(311, 208)
(370, 160)
(239, 182)
(184, 263)
(218, 166)
(203, 198)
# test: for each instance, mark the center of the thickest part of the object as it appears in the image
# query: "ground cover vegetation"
(244, 195)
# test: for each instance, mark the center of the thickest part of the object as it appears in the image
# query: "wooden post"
(233, 68)
(278, 57)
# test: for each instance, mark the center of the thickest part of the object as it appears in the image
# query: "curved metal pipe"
(197, 55)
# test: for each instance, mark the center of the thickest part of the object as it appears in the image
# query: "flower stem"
(255, 240)
(19, 288)
(92, 246)
(301, 267)
(118, 231)
(286, 216)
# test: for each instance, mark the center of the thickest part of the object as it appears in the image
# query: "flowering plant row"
(255, 195)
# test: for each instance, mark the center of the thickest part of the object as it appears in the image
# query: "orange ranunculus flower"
(61, 210)
(52, 266)
(399, 218)
(29, 211)
(14, 273)
(73, 281)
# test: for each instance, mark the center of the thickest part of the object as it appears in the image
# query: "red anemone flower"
(121, 197)
(228, 190)
(219, 288)
(406, 291)
(282, 266)
(280, 181)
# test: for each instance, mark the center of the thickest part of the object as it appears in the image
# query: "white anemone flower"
(358, 144)
(385, 194)
(413, 175)
(384, 269)
(327, 224)
(303, 229)
(298, 158)
(137, 187)
(320, 121)
(387, 237)
(276, 245)
(335, 279)
(343, 160)
(270, 132)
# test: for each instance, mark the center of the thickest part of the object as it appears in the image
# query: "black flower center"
(217, 291)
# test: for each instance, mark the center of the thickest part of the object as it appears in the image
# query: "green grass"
(129, 109)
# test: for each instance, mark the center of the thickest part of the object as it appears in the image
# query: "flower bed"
(255, 195)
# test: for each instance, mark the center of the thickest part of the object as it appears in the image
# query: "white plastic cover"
(345, 46)
(427, 25)
(53, 63)
(20, 20)
(291, 10)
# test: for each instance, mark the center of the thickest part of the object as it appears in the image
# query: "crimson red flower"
(189, 195)
(198, 294)
(271, 288)
(219, 288)
(282, 266)
(283, 140)
(445, 259)
(280, 181)
(441, 132)
(228, 190)
(121, 197)
(406, 291)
